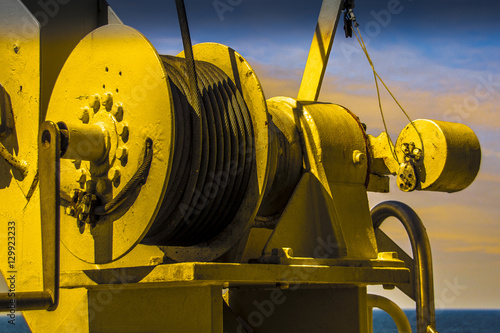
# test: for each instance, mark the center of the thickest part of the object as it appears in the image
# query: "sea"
(447, 321)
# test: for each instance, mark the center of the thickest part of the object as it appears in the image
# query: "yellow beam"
(320, 50)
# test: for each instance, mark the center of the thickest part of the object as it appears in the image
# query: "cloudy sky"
(442, 60)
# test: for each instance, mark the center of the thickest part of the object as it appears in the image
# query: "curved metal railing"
(421, 283)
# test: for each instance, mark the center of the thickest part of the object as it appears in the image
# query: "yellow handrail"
(399, 317)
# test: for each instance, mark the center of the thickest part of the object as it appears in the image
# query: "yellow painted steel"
(451, 154)
(317, 245)
(108, 59)
(20, 77)
(332, 190)
(399, 317)
(245, 79)
(319, 52)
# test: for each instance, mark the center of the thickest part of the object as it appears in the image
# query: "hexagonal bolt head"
(95, 102)
(84, 115)
(118, 112)
(121, 153)
(107, 101)
(114, 174)
(122, 130)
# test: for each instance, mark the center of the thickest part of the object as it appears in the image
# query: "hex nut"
(118, 112)
(84, 115)
(122, 130)
(121, 153)
(114, 174)
(95, 102)
(107, 101)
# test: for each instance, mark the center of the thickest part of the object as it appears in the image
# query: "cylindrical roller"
(286, 162)
(212, 157)
(85, 142)
(451, 154)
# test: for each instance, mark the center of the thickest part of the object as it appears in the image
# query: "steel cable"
(205, 189)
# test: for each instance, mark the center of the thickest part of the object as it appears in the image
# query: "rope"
(136, 180)
(209, 178)
(13, 161)
(377, 77)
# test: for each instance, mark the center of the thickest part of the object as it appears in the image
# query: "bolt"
(122, 130)
(358, 157)
(84, 115)
(94, 102)
(121, 153)
(81, 176)
(107, 101)
(417, 152)
(118, 111)
(101, 186)
(16, 48)
(114, 174)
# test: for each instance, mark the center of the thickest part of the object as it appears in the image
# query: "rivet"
(107, 101)
(84, 115)
(114, 174)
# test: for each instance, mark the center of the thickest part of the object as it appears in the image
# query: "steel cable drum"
(238, 130)
(115, 80)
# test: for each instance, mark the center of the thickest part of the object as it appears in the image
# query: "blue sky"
(441, 59)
